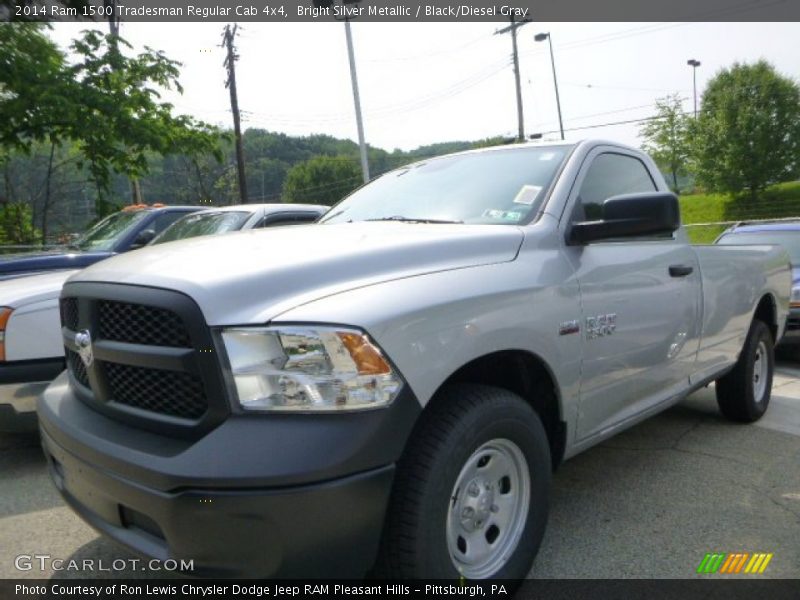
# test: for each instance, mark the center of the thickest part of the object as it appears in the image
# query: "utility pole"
(228, 36)
(357, 101)
(362, 145)
(513, 29)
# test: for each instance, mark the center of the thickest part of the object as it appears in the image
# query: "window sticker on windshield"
(527, 194)
(547, 156)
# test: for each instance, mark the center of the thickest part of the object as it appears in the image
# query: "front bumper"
(259, 496)
(21, 383)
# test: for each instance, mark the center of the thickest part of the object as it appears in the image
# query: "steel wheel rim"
(760, 372)
(488, 509)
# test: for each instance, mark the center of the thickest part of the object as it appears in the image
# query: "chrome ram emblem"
(83, 339)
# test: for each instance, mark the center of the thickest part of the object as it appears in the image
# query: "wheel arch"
(528, 376)
(767, 312)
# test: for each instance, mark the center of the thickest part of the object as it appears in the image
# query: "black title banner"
(279, 11)
(550, 589)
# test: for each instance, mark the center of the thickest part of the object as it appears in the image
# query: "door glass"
(610, 175)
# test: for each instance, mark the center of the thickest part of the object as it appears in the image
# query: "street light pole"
(694, 64)
(362, 145)
(357, 101)
(540, 37)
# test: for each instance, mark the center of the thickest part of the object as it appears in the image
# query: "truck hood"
(13, 265)
(252, 276)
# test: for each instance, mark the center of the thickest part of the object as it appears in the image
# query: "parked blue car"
(128, 229)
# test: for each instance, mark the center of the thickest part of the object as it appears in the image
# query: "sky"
(423, 83)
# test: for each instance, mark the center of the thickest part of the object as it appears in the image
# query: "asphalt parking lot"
(649, 503)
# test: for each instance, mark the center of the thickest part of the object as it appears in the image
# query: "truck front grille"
(76, 367)
(139, 324)
(166, 392)
(153, 363)
(69, 313)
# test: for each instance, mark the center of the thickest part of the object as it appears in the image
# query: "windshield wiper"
(403, 219)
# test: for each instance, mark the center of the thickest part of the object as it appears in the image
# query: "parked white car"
(31, 350)
(31, 346)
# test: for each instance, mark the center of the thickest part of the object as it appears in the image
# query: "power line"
(390, 111)
(607, 112)
(428, 56)
(623, 87)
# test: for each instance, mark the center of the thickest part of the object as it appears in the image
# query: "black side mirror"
(143, 238)
(630, 215)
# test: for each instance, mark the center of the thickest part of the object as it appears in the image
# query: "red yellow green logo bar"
(735, 563)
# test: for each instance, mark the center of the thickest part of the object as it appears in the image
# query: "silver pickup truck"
(390, 390)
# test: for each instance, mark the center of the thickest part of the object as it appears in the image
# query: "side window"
(164, 220)
(610, 175)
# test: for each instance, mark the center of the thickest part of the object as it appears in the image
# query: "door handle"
(680, 270)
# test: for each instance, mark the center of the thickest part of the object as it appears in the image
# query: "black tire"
(461, 420)
(736, 394)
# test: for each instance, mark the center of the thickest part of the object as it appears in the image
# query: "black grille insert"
(171, 393)
(77, 368)
(69, 313)
(141, 324)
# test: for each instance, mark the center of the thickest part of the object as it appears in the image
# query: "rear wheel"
(471, 493)
(743, 394)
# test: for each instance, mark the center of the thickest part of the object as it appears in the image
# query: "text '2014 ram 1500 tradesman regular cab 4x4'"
(392, 387)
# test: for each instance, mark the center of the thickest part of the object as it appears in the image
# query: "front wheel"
(743, 393)
(471, 493)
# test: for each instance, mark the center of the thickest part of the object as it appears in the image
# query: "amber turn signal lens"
(5, 313)
(367, 358)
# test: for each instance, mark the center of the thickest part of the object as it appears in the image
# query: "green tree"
(667, 138)
(34, 103)
(107, 103)
(748, 130)
(121, 118)
(321, 180)
(15, 224)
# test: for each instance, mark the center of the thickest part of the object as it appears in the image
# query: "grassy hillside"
(780, 201)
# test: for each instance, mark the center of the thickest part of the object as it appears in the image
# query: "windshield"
(104, 236)
(790, 240)
(198, 224)
(496, 187)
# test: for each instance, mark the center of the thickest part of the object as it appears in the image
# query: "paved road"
(648, 503)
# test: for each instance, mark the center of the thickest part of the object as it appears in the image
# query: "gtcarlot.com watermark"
(45, 562)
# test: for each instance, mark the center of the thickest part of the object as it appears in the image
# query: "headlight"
(308, 369)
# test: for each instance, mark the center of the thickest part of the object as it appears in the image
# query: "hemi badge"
(568, 327)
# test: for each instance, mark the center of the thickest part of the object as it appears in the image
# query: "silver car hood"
(253, 276)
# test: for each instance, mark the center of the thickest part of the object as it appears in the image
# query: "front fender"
(432, 325)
